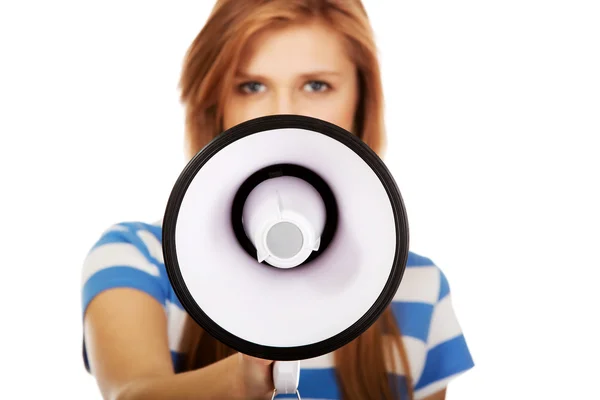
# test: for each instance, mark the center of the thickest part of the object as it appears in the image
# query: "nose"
(283, 103)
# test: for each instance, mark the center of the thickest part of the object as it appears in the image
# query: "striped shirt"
(129, 254)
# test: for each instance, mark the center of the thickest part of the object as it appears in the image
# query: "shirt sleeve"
(448, 355)
(126, 255)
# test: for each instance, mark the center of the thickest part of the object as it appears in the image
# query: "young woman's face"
(301, 69)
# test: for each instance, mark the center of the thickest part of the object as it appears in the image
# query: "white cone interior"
(286, 307)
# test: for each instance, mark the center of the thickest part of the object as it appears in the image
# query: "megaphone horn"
(285, 238)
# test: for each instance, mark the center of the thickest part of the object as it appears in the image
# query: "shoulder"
(133, 238)
(126, 254)
(423, 281)
(140, 234)
(415, 300)
(428, 322)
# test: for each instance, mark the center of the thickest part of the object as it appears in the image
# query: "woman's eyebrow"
(312, 74)
(245, 75)
(305, 75)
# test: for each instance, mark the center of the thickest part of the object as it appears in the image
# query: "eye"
(316, 86)
(251, 87)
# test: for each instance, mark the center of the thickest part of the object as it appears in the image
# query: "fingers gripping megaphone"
(285, 238)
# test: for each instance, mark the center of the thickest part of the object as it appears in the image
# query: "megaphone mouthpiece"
(284, 217)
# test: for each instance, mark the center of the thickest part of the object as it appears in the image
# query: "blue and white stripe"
(130, 255)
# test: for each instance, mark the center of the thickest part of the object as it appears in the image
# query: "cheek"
(346, 117)
(235, 112)
(339, 111)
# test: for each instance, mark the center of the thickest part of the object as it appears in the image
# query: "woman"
(255, 58)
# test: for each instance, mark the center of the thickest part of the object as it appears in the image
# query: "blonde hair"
(208, 71)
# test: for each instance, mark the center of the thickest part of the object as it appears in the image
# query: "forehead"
(297, 48)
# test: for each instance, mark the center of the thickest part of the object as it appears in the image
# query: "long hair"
(362, 366)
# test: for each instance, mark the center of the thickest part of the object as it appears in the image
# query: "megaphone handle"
(286, 377)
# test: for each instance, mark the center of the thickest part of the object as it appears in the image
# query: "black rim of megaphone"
(238, 132)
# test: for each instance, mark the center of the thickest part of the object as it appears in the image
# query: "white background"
(493, 110)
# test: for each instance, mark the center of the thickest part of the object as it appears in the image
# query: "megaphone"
(285, 238)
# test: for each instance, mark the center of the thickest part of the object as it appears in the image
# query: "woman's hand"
(255, 377)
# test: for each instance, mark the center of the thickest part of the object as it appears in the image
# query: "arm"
(124, 293)
(441, 395)
(125, 334)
